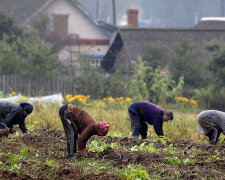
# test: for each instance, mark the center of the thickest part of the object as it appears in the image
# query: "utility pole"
(114, 12)
(97, 9)
(222, 7)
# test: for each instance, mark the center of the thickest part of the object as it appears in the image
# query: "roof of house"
(21, 10)
(211, 23)
(24, 10)
(135, 41)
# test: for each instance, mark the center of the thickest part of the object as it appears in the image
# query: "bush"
(210, 98)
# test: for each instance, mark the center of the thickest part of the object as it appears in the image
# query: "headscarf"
(104, 127)
(27, 107)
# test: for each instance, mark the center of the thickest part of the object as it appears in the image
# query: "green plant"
(214, 157)
(97, 166)
(173, 160)
(169, 150)
(188, 161)
(156, 138)
(137, 86)
(24, 152)
(50, 162)
(134, 174)
(1, 165)
(97, 146)
(142, 147)
(114, 134)
(195, 152)
(13, 161)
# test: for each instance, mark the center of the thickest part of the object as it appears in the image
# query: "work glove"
(82, 152)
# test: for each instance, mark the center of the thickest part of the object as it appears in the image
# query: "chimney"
(132, 18)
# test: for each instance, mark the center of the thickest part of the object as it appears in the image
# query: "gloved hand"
(82, 152)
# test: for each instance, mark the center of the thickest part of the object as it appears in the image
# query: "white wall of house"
(78, 23)
(69, 54)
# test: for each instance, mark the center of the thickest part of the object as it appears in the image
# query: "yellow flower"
(128, 99)
(68, 96)
(13, 93)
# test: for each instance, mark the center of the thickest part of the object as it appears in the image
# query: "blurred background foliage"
(187, 73)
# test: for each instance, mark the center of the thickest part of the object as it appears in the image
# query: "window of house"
(95, 60)
(60, 25)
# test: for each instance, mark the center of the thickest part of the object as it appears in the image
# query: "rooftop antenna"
(222, 6)
(114, 12)
(97, 9)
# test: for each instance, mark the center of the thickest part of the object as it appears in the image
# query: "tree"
(96, 82)
(37, 56)
(7, 26)
(217, 62)
(186, 60)
(154, 56)
(9, 58)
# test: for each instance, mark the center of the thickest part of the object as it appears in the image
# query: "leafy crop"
(96, 146)
(169, 150)
(215, 157)
(142, 147)
(134, 174)
(50, 162)
(14, 159)
(24, 152)
(173, 160)
(188, 161)
(161, 139)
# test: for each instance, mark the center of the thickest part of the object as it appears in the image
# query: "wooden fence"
(36, 86)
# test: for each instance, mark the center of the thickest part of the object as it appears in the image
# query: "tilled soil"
(51, 144)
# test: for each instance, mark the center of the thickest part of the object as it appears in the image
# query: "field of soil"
(196, 160)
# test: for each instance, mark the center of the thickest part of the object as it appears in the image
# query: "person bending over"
(211, 123)
(14, 114)
(76, 122)
(143, 112)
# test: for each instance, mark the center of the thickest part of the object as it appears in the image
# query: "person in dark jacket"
(77, 121)
(141, 113)
(211, 123)
(13, 114)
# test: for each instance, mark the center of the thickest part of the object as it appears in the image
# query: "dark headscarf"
(27, 107)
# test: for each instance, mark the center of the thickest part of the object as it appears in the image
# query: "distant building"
(130, 43)
(69, 22)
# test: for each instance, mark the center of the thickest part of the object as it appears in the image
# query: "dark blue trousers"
(138, 126)
(214, 136)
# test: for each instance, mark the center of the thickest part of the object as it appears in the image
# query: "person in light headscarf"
(77, 121)
(211, 123)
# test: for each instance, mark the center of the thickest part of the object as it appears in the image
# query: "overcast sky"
(158, 13)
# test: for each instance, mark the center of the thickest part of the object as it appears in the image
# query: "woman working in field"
(211, 123)
(77, 121)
